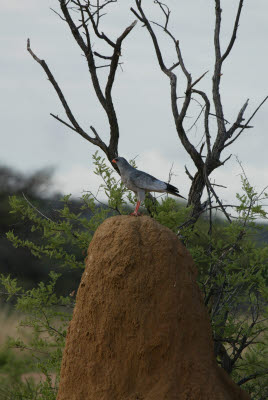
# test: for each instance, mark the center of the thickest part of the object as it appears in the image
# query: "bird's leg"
(136, 209)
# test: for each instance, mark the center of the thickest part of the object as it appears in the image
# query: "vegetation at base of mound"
(232, 276)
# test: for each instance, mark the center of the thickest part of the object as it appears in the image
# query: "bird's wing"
(144, 181)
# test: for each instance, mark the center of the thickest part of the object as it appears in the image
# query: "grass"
(9, 321)
(17, 369)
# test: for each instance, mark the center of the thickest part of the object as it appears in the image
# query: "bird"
(140, 182)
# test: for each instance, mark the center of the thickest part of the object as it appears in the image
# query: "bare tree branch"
(174, 66)
(197, 80)
(216, 83)
(84, 8)
(216, 197)
(143, 19)
(214, 149)
(246, 124)
(197, 118)
(189, 85)
(252, 376)
(96, 24)
(165, 10)
(97, 142)
(102, 56)
(238, 121)
(225, 120)
(86, 50)
(206, 119)
(58, 14)
(115, 59)
(75, 126)
(229, 48)
(178, 117)
(36, 209)
(188, 173)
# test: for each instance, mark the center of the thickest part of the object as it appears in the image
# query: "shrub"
(232, 269)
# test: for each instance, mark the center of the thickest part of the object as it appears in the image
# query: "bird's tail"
(173, 190)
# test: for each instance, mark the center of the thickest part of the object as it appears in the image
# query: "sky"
(31, 139)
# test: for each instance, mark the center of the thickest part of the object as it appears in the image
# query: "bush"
(232, 269)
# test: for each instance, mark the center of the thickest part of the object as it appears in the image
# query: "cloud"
(18, 6)
(76, 180)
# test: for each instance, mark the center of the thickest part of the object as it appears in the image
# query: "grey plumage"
(140, 182)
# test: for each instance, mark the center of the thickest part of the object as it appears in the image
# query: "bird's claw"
(137, 214)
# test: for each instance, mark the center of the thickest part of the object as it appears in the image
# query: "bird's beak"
(114, 161)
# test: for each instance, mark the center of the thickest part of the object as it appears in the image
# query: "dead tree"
(79, 14)
(83, 18)
(208, 157)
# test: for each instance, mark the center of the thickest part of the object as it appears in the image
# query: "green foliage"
(48, 316)
(171, 213)
(255, 366)
(66, 238)
(12, 365)
(10, 285)
(19, 390)
(232, 270)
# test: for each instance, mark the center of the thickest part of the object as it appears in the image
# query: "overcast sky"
(31, 139)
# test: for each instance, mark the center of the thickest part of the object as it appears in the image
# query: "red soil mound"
(140, 330)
